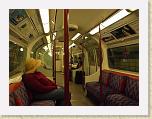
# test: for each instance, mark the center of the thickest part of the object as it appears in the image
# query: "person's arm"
(46, 81)
(36, 86)
(43, 79)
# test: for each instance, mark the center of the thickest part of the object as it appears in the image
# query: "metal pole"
(66, 58)
(100, 57)
(82, 59)
(71, 61)
(54, 52)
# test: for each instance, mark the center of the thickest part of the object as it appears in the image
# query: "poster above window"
(123, 32)
(108, 37)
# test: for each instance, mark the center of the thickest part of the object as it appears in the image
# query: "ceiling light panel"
(119, 15)
(45, 19)
(76, 36)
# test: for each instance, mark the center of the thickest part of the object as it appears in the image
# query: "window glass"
(17, 56)
(124, 58)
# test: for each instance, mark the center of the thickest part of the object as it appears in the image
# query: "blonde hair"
(31, 65)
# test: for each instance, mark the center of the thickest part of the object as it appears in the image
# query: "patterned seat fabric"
(21, 96)
(18, 97)
(120, 100)
(93, 88)
(129, 98)
(43, 103)
(132, 89)
(117, 82)
(11, 100)
(116, 89)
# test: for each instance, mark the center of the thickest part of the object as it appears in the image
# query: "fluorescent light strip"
(73, 44)
(21, 49)
(48, 39)
(119, 15)
(49, 46)
(85, 37)
(96, 29)
(45, 48)
(52, 22)
(54, 35)
(76, 36)
(50, 53)
(132, 9)
(45, 19)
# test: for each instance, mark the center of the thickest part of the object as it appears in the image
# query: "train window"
(17, 56)
(124, 58)
(108, 37)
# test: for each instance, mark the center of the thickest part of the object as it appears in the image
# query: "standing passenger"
(39, 85)
(79, 62)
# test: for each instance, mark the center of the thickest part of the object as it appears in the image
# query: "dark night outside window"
(124, 58)
(17, 58)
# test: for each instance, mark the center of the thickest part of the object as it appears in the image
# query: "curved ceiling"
(27, 24)
(85, 19)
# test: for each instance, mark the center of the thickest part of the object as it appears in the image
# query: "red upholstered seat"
(18, 96)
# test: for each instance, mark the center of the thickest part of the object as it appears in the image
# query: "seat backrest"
(132, 88)
(117, 82)
(105, 77)
(20, 95)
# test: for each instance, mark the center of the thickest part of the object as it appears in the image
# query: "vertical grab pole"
(71, 61)
(66, 58)
(82, 59)
(83, 81)
(54, 53)
(54, 60)
(101, 59)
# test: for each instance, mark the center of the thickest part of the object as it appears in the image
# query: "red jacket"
(38, 83)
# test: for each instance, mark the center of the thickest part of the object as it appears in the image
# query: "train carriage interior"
(93, 54)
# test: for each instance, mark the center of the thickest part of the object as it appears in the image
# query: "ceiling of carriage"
(83, 19)
(27, 24)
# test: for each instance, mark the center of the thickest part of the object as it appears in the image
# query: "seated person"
(39, 86)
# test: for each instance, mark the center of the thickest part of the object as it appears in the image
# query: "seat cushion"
(93, 87)
(132, 88)
(120, 100)
(94, 90)
(43, 103)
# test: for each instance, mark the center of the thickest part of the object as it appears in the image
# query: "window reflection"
(17, 58)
